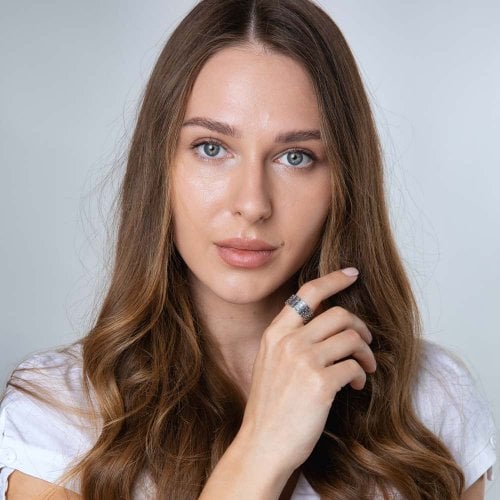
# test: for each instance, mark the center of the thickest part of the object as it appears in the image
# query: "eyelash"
(218, 143)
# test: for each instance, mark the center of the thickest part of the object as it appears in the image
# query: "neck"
(237, 328)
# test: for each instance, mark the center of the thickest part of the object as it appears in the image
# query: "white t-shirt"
(42, 442)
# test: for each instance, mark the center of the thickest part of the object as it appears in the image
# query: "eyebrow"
(226, 129)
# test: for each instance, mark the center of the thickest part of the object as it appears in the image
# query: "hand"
(297, 374)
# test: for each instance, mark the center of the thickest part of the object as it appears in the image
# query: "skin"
(251, 189)
(250, 192)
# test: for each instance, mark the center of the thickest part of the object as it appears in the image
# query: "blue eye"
(293, 155)
(213, 145)
(298, 155)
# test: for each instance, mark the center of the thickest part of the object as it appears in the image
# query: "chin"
(241, 295)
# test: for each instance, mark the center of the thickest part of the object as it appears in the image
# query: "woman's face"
(248, 185)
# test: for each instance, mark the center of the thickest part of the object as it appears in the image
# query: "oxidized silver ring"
(300, 307)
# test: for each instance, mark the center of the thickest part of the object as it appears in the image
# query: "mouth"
(238, 257)
(246, 244)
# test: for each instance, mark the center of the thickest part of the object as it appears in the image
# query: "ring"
(300, 307)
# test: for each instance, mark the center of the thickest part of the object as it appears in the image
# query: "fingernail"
(350, 271)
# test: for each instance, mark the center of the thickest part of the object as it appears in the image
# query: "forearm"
(241, 473)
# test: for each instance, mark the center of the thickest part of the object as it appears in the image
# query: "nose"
(251, 192)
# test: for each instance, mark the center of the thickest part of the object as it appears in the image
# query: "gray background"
(70, 77)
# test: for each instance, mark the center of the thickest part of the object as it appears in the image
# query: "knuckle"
(353, 365)
(353, 335)
(373, 360)
(270, 336)
(319, 385)
(308, 288)
(340, 312)
(306, 360)
(288, 345)
(364, 328)
(274, 338)
(370, 336)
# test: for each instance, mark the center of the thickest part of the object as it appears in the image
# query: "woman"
(237, 353)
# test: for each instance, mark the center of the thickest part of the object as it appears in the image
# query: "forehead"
(251, 88)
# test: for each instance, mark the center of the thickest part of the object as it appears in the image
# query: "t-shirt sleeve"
(451, 403)
(37, 438)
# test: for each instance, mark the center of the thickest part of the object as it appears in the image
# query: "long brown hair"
(166, 403)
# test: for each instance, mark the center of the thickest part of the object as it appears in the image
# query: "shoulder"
(451, 402)
(444, 383)
(43, 415)
(46, 381)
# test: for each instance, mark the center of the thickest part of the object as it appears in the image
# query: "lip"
(245, 258)
(246, 244)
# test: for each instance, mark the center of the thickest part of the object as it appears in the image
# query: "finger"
(313, 292)
(344, 344)
(335, 320)
(345, 372)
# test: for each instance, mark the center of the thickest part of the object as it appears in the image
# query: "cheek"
(305, 215)
(191, 198)
(195, 201)
(198, 186)
(186, 211)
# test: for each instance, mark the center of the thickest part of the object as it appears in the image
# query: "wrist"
(247, 449)
(261, 450)
(244, 472)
